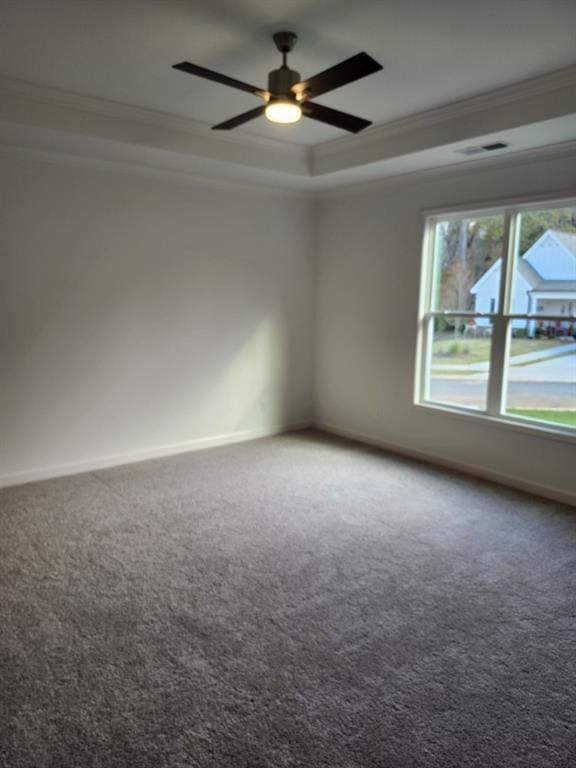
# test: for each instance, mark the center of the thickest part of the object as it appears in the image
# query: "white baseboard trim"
(144, 454)
(512, 481)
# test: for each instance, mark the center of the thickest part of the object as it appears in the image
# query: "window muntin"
(498, 322)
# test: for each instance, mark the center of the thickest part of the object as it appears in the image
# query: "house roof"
(568, 239)
(539, 283)
(529, 273)
(552, 258)
(555, 285)
(566, 244)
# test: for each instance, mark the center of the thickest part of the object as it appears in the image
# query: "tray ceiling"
(433, 53)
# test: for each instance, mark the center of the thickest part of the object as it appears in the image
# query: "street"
(544, 383)
(521, 394)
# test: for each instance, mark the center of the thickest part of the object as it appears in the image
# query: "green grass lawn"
(567, 418)
(463, 351)
(462, 372)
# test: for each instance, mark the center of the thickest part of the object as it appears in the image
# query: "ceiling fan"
(288, 98)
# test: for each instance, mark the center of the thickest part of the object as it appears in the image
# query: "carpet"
(294, 601)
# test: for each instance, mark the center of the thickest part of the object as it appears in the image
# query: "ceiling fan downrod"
(281, 81)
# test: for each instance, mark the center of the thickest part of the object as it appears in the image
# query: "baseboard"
(47, 473)
(518, 483)
(91, 465)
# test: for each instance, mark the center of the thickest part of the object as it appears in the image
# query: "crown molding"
(565, 150)
(35, 117)
(530, 88)
(189, 178)
(33, 106)
(542, 85)
(120, 111)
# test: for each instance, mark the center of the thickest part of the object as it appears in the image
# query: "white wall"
(138, 313)
(368, 277)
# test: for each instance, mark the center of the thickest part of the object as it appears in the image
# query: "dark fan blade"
(347, 71)
(208, 74)
(334, 117)
(239, 119)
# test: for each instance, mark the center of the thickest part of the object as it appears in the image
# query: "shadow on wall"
(128, 331)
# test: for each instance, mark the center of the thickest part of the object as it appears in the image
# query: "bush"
(456, 349)
(443, 324)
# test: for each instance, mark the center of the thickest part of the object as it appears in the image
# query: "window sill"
(510, 423)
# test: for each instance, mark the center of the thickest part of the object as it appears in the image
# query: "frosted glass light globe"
(283, 112)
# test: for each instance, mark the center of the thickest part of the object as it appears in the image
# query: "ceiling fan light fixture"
(283, 111)
(288, 98)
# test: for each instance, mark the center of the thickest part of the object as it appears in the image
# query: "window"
(497, 323)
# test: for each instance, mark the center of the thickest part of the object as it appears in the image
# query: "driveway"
(560, 369)
(549, 383)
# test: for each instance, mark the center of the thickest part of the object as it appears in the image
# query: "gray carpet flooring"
(294, 601)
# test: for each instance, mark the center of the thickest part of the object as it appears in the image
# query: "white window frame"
(501, 318)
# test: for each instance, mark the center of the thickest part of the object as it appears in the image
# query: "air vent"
(495, 146)
(484, 148)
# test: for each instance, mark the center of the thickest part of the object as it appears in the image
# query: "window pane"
(459, 363)
(541, 372)
(545, 267)
(467, 261)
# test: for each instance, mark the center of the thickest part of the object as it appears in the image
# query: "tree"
(468, 249)
(535, 223)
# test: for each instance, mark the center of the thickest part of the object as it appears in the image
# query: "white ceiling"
(433, 51)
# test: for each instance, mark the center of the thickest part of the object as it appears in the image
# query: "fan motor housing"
(280, 82)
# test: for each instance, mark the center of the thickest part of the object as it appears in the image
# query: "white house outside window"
(497, 321)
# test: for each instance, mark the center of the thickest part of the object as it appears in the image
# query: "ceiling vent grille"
(484, 148)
